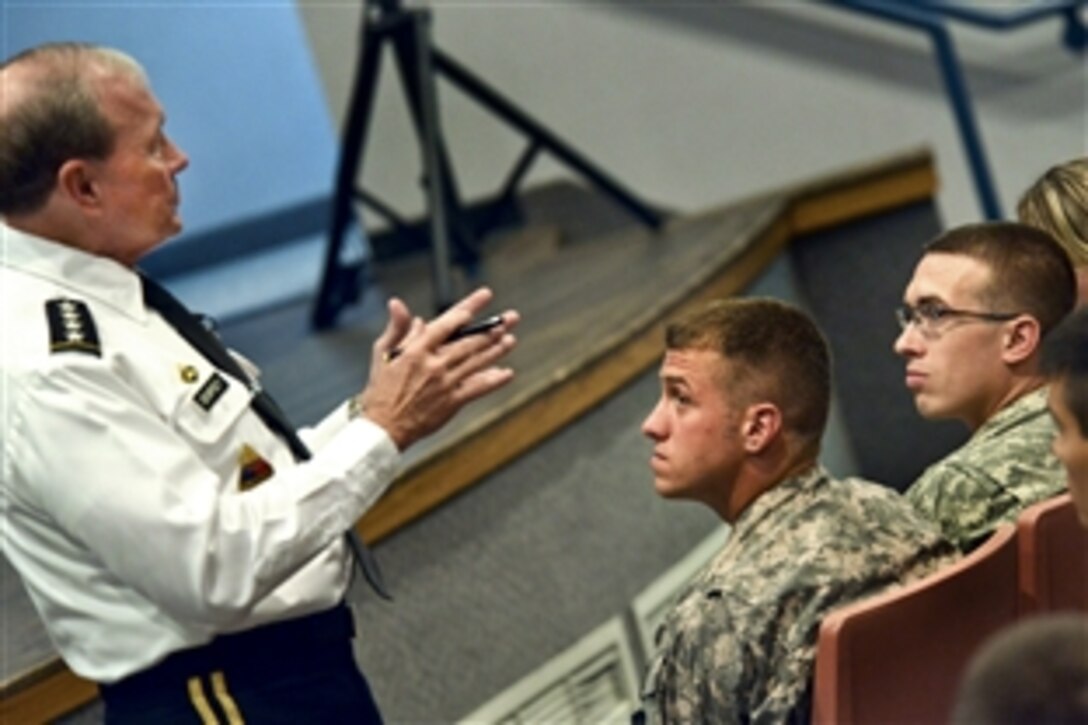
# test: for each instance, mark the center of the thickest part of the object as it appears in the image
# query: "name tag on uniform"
(211, 391)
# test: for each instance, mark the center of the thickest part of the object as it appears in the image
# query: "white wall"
(693, 104)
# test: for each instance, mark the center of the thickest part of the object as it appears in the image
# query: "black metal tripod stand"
(408, 31)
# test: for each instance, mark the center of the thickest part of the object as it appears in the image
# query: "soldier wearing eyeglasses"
(974, 315)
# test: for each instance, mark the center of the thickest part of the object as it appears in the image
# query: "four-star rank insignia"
(253, 469)
(71, 328)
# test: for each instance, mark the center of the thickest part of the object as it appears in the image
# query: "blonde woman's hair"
(1058, 203)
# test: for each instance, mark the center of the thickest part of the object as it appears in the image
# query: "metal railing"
(929, 16)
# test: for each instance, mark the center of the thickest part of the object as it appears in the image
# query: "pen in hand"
(473, 328)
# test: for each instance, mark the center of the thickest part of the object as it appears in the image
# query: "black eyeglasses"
(927, 315)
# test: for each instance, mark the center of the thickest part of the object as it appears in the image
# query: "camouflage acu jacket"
(739, 644)
(1005, 466)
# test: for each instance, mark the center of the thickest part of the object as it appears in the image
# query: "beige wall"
(703, 103)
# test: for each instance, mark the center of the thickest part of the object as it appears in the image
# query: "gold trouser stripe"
(230, 707)
(200, 702)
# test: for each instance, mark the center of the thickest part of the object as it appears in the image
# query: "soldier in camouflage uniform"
(745, 397)
(973, 319)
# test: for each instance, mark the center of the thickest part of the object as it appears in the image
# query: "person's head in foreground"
(1035, 671)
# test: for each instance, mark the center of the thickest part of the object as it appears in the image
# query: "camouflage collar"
(1014, 415)
(775, 499)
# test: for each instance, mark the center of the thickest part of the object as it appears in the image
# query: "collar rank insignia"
(253, 470)
(71, 328)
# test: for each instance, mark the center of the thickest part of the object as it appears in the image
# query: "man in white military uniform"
(184, 548)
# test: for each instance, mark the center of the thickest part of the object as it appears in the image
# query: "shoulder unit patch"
(71, 328)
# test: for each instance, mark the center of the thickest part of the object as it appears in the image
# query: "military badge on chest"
(253, 470)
